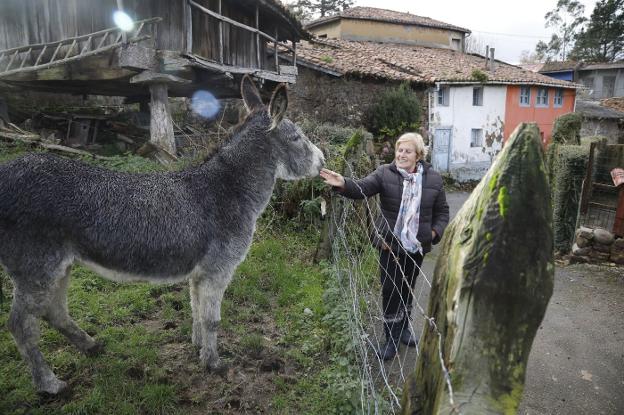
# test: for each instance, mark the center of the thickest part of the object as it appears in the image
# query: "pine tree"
(603, 40)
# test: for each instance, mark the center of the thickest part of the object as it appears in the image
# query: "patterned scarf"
(406, 228)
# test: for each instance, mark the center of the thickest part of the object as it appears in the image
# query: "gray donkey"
(194, 225)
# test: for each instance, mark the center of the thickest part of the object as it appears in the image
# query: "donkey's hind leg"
(57, 316)
(24, 326)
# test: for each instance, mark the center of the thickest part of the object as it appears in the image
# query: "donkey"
(194, 225)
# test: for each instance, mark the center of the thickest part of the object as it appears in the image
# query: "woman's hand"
(332, 178)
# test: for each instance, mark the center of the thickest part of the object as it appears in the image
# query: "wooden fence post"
(491, 286)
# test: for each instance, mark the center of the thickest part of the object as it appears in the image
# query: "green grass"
(276, 283)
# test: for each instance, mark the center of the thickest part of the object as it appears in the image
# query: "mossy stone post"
(491, 286)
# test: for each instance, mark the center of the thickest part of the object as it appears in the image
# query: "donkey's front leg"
(210, 291)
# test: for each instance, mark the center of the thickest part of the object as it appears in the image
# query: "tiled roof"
(383, 15)
(615, 103)
(417, 64)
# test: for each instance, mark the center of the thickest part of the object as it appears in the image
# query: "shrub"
(567, 129)
(568, 172)
(398, 110)
(479, 75)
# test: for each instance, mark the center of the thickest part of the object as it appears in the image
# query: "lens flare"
(123, 21)
(204, 104)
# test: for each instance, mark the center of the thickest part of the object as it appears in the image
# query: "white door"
(441, 149)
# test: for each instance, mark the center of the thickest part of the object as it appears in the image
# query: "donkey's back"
(136, 223)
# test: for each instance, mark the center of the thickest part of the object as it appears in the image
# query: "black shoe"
(407, 337)
(390, 348)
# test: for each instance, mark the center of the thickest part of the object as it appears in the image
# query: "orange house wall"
(544, 117)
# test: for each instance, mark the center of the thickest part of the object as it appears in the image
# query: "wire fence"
(357, 267)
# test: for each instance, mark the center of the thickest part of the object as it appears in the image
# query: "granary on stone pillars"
(173, 49)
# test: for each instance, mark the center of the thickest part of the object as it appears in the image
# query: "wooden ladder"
(20, 59)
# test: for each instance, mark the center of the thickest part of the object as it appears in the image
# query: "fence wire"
(356, 265)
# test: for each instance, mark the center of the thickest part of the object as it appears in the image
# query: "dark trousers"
(398, 273)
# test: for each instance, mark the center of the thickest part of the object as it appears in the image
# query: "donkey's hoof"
(95, 350)
(53, 390)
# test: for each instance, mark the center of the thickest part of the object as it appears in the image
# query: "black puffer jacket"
(388, 182)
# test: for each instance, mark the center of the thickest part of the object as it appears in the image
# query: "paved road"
(576, 365)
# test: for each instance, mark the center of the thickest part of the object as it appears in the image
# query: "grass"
(262, 313)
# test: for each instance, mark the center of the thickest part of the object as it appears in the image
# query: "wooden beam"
(587, 182)
(221, 60)
(188, 18)
(134, 56)
(258, 62)
(275, 53)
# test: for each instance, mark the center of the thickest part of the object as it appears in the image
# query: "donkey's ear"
(278, 105)
(250, 94)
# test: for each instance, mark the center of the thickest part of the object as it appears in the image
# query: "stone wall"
(597, 245)
(339, 100)
(610, 128)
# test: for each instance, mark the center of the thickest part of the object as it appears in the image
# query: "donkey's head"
(295, 155)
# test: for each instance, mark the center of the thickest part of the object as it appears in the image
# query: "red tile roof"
(417, 64)
(384, 15)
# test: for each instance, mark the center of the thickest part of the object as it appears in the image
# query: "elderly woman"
(414, 214)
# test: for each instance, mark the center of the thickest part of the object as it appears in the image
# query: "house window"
(476, 137)
(525, 96)
(558, 101)
(588, 82)
(477, 96)
(456, 44)
(443, 96)
(608, 86)
(542, 97)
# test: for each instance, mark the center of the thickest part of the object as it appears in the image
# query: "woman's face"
(405, 156)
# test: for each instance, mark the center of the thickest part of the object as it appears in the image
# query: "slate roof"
(593, 109)
(384, 15)
(416, 64)
(559, 66)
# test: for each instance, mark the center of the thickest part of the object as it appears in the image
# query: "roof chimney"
(487, 58)
(492, 64)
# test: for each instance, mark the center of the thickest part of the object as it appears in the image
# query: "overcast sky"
(509, 26)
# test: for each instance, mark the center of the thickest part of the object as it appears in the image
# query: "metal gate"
(600, 197)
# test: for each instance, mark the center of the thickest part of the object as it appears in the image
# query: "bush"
(567, 129)
(568, 173)
(398, 110)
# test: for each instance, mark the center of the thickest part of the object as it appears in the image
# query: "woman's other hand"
(332, 178)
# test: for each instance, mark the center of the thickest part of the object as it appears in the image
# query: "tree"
(474, 44)
(321, 7)
(567, 19)
(603, 40)
(526, 57)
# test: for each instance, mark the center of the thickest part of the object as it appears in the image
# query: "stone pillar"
(161, 124)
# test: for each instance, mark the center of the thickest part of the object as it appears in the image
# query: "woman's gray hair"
(417, 140)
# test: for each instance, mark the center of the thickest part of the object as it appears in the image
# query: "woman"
(414, 214)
